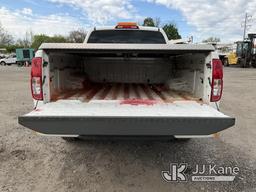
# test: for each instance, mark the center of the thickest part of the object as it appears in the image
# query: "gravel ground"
(29, 162)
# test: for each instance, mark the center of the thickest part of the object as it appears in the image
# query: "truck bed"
(121, 91)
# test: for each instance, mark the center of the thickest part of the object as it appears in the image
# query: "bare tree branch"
(5, 37)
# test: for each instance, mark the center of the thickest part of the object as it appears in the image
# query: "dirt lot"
(29, 162)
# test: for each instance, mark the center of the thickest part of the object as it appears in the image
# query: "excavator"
(246, 51)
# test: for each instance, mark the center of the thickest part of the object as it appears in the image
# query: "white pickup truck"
(126, 81)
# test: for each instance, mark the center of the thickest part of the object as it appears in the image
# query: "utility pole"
(244, 49)
(245, 24)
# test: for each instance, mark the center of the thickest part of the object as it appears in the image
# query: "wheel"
(20, 64)
(70, 139)
(242, 63)
(3, 63)
(254, 63)
(225, 62)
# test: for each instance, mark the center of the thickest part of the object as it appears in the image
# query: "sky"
(198, 18)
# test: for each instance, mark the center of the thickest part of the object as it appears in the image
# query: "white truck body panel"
(148, 47)
(110, 108)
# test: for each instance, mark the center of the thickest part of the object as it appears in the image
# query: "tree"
(149, 22)
(211, 40)
(27, 41)
(5, 37)
(12, 48)
(57, 39)
(170, 28)
(77, 36)
(39, 39)
(171, 31)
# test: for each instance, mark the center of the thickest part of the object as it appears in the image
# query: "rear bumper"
(130, 126)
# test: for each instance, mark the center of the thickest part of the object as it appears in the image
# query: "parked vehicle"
(226, 53)
(126, 81)
(24, 55)
(11, 59)
(246, 51)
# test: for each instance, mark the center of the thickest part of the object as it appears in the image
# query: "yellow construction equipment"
(232, 58)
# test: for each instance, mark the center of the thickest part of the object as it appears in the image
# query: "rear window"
(127, 36)
(26, 53)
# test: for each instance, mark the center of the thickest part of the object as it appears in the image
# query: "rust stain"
(147, 91)
(159, 93)
(216, 135)
(126, 91)
(138, 102)
(136, 91)
(105, 92)
(69, 94)
(116, 91)
(93, 92)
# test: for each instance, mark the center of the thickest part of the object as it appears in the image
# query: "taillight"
(217, 80)
(36, 78)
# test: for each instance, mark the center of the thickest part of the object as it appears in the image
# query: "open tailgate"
(73, 117)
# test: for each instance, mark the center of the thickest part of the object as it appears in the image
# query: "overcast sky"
(200, 18)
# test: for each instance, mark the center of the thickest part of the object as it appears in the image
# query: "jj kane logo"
(176, 173)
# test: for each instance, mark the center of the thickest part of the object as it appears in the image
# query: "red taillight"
(217, 80)
(36, 78)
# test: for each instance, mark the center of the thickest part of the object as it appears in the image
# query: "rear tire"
(225, 62)
(254, 63)
(70, 139)
(20, 64)
(3, 63)
(242, 63)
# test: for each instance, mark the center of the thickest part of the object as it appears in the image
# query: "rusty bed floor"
(120, 91)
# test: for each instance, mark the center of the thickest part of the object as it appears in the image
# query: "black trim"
(127, 125)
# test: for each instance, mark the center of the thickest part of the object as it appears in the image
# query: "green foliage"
(34, 41)
(211, 40)
(57, 39)
(149, 22)
(39, 39)
(171, 31)
(11, 48)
